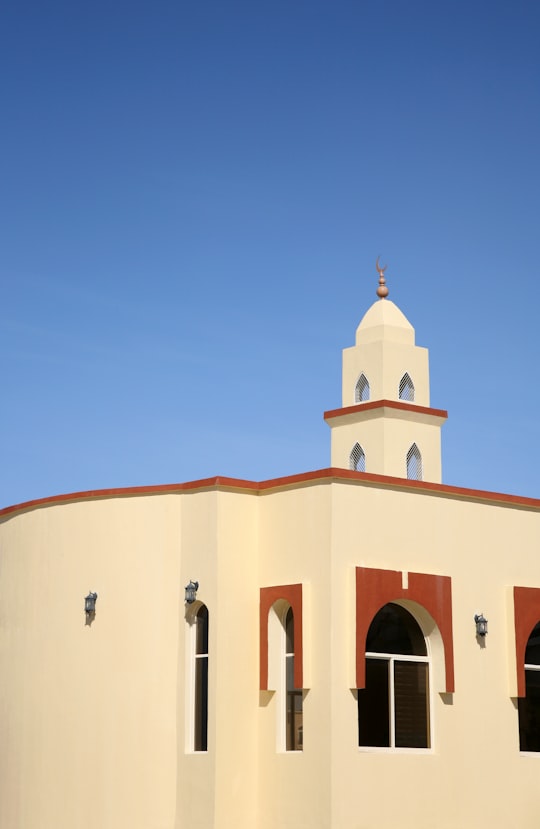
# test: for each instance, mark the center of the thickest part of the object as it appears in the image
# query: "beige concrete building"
(326, 670)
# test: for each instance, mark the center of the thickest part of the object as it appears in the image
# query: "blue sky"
(192, 200)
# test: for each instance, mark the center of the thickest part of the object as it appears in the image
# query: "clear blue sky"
(192, 199)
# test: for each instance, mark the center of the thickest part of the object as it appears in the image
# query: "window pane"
(373, 706)
(411, 704)
(529, 713)
(289, 631)
(394, 630)
(293, 709)
(202, 630)
(200, 742)
(532, 654)
(294, 724)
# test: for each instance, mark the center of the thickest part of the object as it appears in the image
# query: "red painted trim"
(291, 593)
(389, 404)
(526, 616)
(375, 588)
(330, 475)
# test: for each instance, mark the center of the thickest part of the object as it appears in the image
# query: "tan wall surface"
(86, 736)
(93, 718)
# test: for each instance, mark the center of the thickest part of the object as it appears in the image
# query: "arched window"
(414, 463)
(393, 708)
(529, 706)
(357, 458)
(200, 680)
(293, 696)
(406, 388)
(361, 391)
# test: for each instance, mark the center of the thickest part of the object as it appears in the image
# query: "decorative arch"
(291, 594)
(414, 464)
(357, 459)
(433, 596)
(406, 388)
(361, 390)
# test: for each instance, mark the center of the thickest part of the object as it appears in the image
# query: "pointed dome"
(384, 321)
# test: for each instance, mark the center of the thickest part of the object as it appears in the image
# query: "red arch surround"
(526, 615)
(375, 588)
(291, 593)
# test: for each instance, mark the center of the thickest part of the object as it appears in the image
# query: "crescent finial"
(382, 290)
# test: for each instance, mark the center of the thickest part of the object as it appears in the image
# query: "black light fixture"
(191, 591)
(481, 624)
(90, 603)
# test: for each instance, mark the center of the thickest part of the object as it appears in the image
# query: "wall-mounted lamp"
(481, 624)
(90, 603)
(191, 591)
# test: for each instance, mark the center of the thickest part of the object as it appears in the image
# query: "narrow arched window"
(200, 678)
(414, 463)
(361, 391)
(293, 696)
(406, 388)
(393, 708)
(529, 706)
(357, 459)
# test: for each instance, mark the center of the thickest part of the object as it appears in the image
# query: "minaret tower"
(386, 425)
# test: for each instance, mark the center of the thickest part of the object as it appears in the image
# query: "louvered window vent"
(357, 459)
(361, 393)
(414, 463)
(406, 388)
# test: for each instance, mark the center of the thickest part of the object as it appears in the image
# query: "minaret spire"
(382, 290)
(386, 424)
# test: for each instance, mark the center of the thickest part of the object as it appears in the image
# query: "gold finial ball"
(382, 290)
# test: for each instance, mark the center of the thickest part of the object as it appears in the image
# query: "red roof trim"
(390, 404)
(330, 475)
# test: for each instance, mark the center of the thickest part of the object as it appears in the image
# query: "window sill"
(392, 750)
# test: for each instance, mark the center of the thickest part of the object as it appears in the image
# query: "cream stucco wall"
(386, 435)
(93, 718)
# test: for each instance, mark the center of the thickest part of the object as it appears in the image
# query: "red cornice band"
(330, 475)
(389, 404)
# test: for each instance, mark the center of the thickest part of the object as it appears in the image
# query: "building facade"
(328, 671)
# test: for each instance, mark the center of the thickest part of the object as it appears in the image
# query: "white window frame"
(191, 676)
(277, 634)
(398, 657)
(530, 667)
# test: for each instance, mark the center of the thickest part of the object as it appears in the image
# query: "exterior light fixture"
(481, 624)
(191, 591)
(90, 603)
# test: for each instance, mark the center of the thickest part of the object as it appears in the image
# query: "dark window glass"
(201, 704)
(202, 630)
(529, 706)
(293, 696)
(289, 632)
(411, 704)
(532, 653)
(393, 630)
(200, 741)
(374, 705)
(393, 708)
